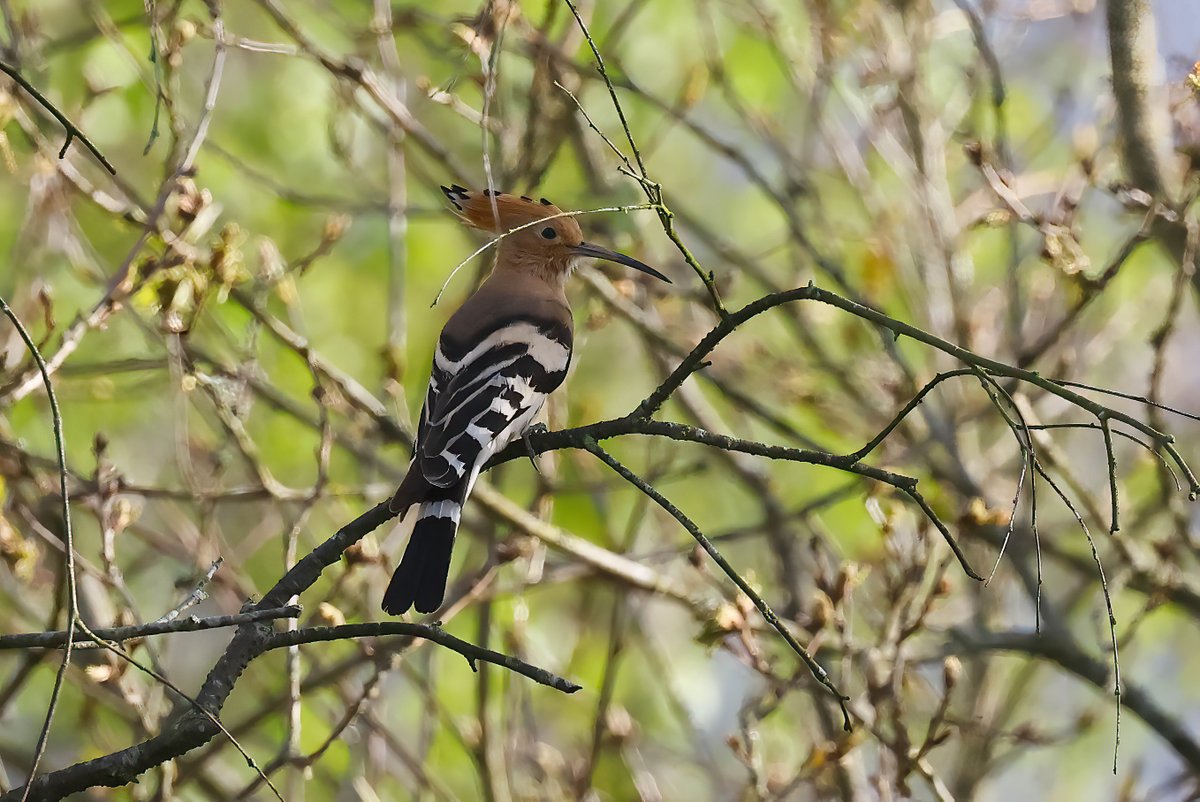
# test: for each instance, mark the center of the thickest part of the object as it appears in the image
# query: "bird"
(497, 359)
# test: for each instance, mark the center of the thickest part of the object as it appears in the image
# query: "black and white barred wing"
(480, 399)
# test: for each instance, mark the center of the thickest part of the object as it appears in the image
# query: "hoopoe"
(498, 357)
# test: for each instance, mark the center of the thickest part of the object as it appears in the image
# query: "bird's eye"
(549, 233)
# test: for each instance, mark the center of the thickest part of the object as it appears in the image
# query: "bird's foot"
(537, 428)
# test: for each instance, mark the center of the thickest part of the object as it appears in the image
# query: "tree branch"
(1145, 128)
(73, 131)
(1059, 648)
(194, 728)
(50, 640)
(434, 634)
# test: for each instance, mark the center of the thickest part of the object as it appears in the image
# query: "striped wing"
(483, 395)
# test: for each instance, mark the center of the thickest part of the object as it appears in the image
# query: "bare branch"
(51, 640)
(434, 634)
(73, 131)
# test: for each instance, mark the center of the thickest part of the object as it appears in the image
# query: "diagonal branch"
(199, 724)
(73, 131)
(767, 613)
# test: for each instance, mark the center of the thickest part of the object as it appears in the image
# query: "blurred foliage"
(281, 298)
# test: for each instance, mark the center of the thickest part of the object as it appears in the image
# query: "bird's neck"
(534, 274)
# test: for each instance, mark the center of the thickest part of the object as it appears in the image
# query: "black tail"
(420, 579)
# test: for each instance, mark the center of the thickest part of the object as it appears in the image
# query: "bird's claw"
(537, 428)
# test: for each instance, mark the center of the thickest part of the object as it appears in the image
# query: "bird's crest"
(481, 209)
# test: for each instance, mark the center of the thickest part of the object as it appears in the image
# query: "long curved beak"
(596, 252)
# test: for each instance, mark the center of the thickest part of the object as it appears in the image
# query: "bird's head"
(536, 239)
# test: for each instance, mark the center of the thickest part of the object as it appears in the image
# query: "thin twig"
(1114, 525)
(767, 613)
(197, 594)
(68, 542)
(73, 131)
(653, 191)
(1130, 397)
(1112, 618)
